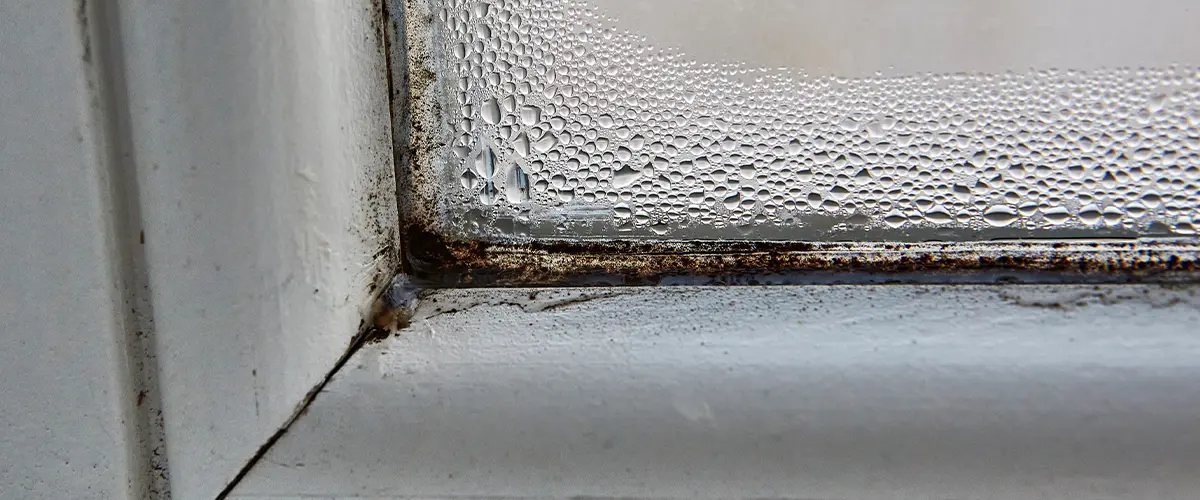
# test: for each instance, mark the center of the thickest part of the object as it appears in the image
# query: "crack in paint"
(533, 305)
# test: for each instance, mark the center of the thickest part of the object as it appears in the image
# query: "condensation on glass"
(823, 120)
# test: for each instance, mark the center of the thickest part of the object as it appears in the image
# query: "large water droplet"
(469, 180)
(1056, 215)
(509, 103)
(545, 143)
(516, 186)
(625, 176)
(480, 9)
(531, 115)
(490, 112)
(938, 215)
(895, 219)
(485, 164)
(1000, 215)
(1090, 214)
(521, 144)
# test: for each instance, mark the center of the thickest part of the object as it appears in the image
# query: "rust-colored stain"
(432, 259)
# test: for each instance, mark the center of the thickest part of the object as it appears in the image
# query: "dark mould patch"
(435, 261)
(385, 320)
(389, 259)
(392, 311)
(432, 307)
(82, 19)
(555, 304)
(415, 111)
(376, 219)
(376, 335)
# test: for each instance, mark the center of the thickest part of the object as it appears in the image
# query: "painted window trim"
(935, 391)
(252, 148)
(254, 143)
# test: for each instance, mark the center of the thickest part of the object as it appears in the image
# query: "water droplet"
(485, 164)
(1113, 215)
(480, 9)
(488, 195)
(1000, 215)
(531, 115)
(516, 186)
(545, 143)
(938, 215)
(509, 104)
(1056, 215)
(1090, 214)
(469, 180)
(625, 176)
(895, 219)
(490, 112)
(875, 130)
(522, 145)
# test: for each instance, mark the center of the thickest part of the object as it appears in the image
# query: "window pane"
(824, 120)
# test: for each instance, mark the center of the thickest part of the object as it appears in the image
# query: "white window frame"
(234, 220)
(236, 178)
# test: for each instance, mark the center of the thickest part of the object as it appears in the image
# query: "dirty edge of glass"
(546, 142)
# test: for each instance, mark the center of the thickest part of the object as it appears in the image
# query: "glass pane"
(820, 120)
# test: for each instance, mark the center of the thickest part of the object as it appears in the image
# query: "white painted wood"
(66, 401)
(197, 197)
(854, 392)
(260, 136)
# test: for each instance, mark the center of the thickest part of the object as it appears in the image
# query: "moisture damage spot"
(435, 261)
(393, 311)
(404, 304)
(535, 301)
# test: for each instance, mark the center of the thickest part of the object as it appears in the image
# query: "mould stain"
(438, 262)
